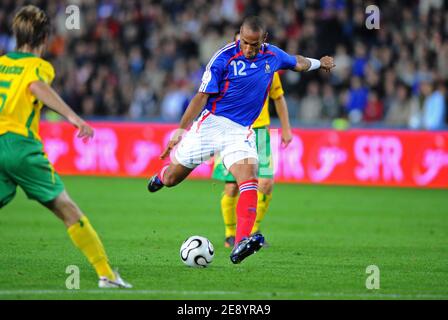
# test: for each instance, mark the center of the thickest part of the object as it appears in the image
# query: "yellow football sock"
(262, 208)
(86, 239)
(228, 210)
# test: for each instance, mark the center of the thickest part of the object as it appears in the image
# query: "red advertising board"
(352, 157)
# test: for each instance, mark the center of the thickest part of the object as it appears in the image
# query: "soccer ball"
(197, 251)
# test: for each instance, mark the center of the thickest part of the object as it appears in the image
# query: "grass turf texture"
(321, 241)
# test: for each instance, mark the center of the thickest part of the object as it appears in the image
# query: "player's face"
(250, 42)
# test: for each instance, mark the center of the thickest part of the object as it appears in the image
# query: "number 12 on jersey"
(238, 64)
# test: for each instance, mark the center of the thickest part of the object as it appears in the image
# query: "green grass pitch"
(322, 238)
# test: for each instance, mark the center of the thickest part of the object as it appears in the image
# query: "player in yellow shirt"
(25, 80)
(229, 197)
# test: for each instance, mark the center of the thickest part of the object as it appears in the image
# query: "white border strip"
(373, 295)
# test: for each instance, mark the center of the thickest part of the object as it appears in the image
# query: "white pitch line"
(266, 294)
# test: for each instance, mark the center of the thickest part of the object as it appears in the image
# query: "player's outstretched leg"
(245, 245)
(86, 239)
(169, 176)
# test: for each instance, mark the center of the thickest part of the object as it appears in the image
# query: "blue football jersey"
(239, 86)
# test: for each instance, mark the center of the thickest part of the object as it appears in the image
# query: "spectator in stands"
(330, 103)
(374, 108)
(357, 100)
(311, 105)
(434, 106)
(401, 107)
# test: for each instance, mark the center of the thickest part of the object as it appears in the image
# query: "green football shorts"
(265, 169)
(24, 163)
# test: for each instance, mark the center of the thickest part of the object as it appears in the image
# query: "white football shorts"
(211, 135)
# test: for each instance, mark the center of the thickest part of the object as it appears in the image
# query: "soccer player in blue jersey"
(234, 87)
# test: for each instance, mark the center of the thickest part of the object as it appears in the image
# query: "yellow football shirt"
(275, 92)
(19, 109)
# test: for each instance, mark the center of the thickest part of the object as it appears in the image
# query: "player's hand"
(175, 139)
(327, 63)
(286, 137)
(84, 130)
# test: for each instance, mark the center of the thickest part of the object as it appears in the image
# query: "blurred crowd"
(143, 60)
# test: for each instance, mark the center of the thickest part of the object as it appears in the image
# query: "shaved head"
(252, 35)
(254, 24)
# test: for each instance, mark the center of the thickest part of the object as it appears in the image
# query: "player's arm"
(50, 98)
(283, 115)
(194, 108)
(308, 64)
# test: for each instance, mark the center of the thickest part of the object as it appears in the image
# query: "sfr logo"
(379, 157)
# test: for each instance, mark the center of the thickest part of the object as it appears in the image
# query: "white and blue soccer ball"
(197, 251)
